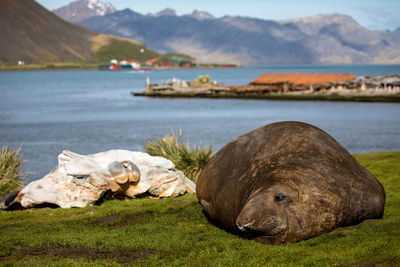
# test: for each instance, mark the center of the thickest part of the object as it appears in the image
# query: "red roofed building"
(173, 61)
(150, 62)
(301, 78)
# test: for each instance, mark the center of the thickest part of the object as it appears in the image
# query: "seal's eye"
(280, 197)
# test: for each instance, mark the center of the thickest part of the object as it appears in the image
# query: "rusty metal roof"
(151, 61)
(301, 78)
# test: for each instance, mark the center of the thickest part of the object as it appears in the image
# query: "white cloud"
(381, 18)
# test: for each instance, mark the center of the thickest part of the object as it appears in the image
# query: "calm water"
(92, 111)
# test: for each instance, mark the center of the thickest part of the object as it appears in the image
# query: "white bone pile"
(80, 180)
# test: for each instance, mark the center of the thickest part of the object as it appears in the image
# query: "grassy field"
(152, 232)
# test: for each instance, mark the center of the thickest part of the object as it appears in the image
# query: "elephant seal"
(286, 182)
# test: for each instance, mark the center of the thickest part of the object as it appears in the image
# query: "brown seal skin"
(286, 182)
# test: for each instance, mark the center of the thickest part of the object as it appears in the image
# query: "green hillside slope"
(32, 34)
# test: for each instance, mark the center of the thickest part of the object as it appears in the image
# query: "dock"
(295, 86)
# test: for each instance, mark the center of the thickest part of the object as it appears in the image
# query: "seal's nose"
(240, 226)
(243, 227)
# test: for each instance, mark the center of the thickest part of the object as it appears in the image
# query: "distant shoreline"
(286, 86)
(291, 97)
(50, 66)
(95, 66)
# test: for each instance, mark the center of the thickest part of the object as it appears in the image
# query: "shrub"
(202, 80)
(10, 173)
(190, 161)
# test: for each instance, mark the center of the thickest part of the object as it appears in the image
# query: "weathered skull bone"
(80, 180)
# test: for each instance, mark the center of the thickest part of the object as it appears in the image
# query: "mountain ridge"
(165, 12)
(83, 9)
(331, 38)
(200, 15)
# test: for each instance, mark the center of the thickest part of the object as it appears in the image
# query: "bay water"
(47, 112)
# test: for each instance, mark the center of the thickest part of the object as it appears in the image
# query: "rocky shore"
(332, 87)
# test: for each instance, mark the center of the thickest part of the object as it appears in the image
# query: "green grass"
(10, 170)
(124, 50)
(174, 232)
(185, 56)
(189, 160)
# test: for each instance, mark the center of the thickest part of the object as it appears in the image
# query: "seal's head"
(282, 207)
(266, 211)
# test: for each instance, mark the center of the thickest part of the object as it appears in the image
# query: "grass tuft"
(10, 170)
(190, 161)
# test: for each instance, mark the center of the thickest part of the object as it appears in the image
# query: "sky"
(373, 14)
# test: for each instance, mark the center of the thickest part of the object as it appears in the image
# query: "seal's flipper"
(207, 208)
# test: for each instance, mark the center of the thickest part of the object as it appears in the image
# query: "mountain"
(84, 9)
(164, 12)
(32, 34)
(200, 15)
(332, 38)
(339, 38)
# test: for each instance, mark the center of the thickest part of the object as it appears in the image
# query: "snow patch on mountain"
(100, 8)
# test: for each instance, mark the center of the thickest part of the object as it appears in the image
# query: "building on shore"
(284, 82)
(170, 61)
(317, 86)
(131, 64)
(121, 65)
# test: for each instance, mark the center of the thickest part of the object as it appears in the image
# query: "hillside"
(32, 34)
(332, 38)
(108, 47)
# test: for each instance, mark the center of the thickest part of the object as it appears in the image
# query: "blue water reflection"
(92, 111)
